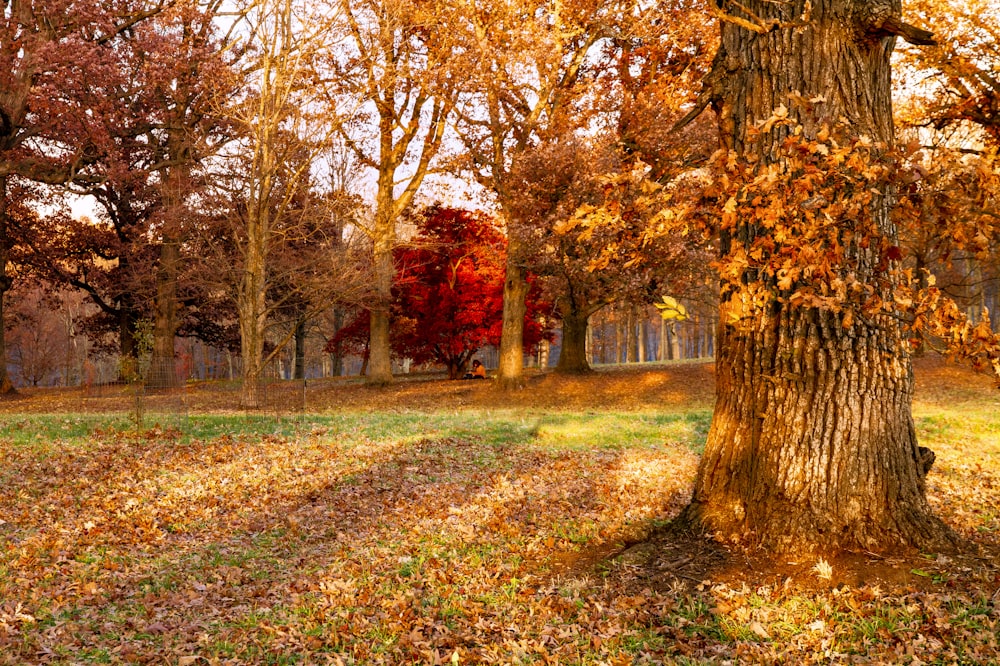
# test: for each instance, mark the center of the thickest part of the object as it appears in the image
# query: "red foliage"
(448, 293)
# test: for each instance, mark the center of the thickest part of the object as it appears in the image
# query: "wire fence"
(164, 395)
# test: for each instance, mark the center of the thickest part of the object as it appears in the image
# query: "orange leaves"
(805, 224)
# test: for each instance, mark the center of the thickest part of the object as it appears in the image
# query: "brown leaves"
(353, 548)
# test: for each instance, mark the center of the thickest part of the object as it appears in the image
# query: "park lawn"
(447, 534)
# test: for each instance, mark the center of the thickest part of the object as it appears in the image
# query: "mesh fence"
(166, 394)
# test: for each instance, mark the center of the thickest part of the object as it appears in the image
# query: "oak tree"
(281, 129)
(51, 113)
(959, 76)
(812, 444)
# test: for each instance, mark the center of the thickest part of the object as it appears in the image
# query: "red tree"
(448, 293)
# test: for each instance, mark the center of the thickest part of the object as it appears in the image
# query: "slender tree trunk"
(6, 385)
(699, 337)
(662, 348)
(588, 352)
(380, 356)
(299, 372)
(640, 333)
(812, 444)
(337, 355)
(631, 334)
(252, 307)
(619, 334)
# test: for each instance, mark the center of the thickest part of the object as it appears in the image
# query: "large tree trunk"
(162, 370)
(379, 350)
(573, 354)
(161, 366)
(812, 445)
(510, 371)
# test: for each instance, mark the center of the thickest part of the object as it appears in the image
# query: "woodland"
(807, 191)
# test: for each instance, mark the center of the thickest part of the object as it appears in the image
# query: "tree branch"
(893, 25)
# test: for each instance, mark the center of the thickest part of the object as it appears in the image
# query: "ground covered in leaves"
(441, 522)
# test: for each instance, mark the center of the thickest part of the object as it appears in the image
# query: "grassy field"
(441, 522)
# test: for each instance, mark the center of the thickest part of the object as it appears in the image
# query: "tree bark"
(619, 333)
(299, 372)
(640, 334)
(252, 307)
(573, 354)
(161, 369)
(379, 346)
(812, 445)
(510, 371)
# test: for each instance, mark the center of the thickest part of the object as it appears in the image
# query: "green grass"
(552, 431)
(616, 431)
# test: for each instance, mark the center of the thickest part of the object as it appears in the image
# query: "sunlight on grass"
(615, 430)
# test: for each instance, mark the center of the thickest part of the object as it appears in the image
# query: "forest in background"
(256, 170)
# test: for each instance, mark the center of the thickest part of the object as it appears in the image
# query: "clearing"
(441, 522)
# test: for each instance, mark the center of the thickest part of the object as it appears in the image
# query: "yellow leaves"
(564, 227)
(823, 135)
(759, 629)
(787, 276)
(671, 310)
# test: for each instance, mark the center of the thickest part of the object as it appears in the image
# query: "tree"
(159, 123)
(43, 334)
(51, 114)
(399, 71)
(959, 77)
(949, 206)
(448, 293)
(812, 444)
(187, 65)
(449, 290)
(587, 208)
(282, 130)
(526, 61)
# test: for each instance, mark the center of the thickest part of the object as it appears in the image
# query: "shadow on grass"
(345, 540)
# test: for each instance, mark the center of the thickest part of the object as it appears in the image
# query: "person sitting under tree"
(478, 371)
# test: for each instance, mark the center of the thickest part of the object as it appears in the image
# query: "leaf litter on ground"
(501, 532)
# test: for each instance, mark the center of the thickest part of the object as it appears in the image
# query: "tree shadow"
(157, 532)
